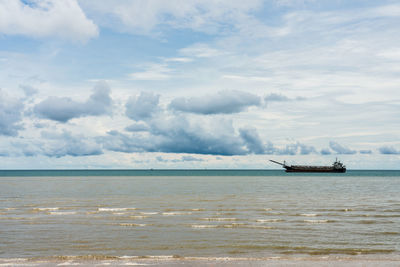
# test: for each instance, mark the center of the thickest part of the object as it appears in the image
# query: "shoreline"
(101, 260)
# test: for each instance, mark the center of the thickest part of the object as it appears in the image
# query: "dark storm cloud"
(177, 134)
(63, 109)
(388, 150)
(252, 140)
(224, 102)
(143, 106)
(10, 115)
(339, 149)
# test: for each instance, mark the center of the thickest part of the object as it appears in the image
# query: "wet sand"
(167, 261)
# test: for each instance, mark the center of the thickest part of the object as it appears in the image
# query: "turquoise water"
(156, 172)
(201, 213)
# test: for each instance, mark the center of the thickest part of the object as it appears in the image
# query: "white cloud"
(10, 114)
(44, 18)
(201, 51)
(63, 109)
(152, 72)
(224, 102)
(143, 16)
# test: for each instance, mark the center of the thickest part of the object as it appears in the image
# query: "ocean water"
(246, 214)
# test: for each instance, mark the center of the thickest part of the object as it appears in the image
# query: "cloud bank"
(341, 149)
(63, 109)
(224, 102)
(389, 150)
(65, 144)
(142, 106)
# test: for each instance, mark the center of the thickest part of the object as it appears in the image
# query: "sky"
(216, 84)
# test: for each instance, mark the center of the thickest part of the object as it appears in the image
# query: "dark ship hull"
(313, 169)
(336, 167)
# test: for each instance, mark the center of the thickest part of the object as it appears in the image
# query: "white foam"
(68, 263)
(47, 209)
(234, 225)
(316, 221)
(309, 214)
(161, 257)
(128, 257)
(175, 213)
(268, 220)
(115, 209)
(203, 226)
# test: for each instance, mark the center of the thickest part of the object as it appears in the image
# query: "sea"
(198, 217)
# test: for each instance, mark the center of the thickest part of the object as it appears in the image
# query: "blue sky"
(199, 84)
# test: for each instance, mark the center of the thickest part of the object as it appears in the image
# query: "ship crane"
(283, 164)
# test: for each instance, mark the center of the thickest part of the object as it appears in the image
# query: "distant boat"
(337, 166)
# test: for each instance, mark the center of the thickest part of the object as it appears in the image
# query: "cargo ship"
(337, 166)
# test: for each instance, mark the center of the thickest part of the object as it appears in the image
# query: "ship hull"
(313, 169)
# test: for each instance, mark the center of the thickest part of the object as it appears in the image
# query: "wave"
(318, 221)
(133, 224)
(219, 219)
(325, 257)
(176, 213)
(269, 220)
(309, 214)
(232, 225)
(46, 209)
(203, 226)
(62, 212)
(180, 210)
(115, 209)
